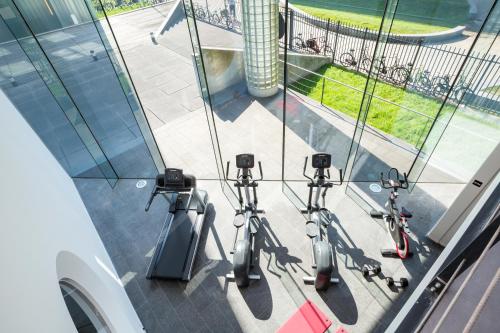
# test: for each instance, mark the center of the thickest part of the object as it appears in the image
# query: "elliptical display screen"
(321, 161)
(174, 177)
(244, 161)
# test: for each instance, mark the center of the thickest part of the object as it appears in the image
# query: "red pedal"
(307, 319)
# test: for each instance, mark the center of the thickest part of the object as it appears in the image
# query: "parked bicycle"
(422, 81)
(204, 14)
(312, 44)
(398, 73)
(348, 59)
(461, 89)
(441, 85)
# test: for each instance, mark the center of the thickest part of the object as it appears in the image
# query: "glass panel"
(190, 10)
(243, 122)
(415, 87)
(81, 62)
(327, 63)
(114, 53)
(32, 85)
(467, 129)
(154, 56)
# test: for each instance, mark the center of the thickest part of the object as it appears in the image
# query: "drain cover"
(375, 188)
(141, 183)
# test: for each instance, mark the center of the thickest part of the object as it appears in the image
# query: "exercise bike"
(247, 218)
(395, 218)
(318, 219)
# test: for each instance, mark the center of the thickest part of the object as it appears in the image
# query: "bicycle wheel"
(400, 75)
(365, 64)
(460, 93)
(425, 85)
(347, 59)
(199, 13)
(379, 66)
(215, 19)
(327, 51)
(403, 248)
(297, 43)
(441, 86)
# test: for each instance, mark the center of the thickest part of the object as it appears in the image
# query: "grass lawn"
(392, 119)
(122, 9)
(412, 17)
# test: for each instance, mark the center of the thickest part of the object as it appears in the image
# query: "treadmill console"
(244, 161)
(321, 161)
(174, 177)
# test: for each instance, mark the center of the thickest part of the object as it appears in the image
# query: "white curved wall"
(46, 234)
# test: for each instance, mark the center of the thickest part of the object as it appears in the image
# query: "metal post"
(326, 37)
(361, 51)
(291, 24)
(322, 90)
(414, 63)
(335, 41)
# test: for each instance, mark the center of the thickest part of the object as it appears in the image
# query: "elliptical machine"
(318, 219)
(395, 219)
(247, 218)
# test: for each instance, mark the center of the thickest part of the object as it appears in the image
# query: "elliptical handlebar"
(316, 173)
(396, 183)
(305, 167)
(238, 175)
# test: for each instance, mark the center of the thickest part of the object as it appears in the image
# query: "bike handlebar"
(399, 182)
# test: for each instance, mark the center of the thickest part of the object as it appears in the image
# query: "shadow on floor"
(130, 234)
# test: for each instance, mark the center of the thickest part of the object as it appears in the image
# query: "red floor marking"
(341, 330)
(307, 319)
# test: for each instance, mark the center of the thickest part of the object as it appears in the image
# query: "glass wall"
(327, 65)
(416, 90)
(74, 59)
(378, 86)
(157, 56)
(31, 84)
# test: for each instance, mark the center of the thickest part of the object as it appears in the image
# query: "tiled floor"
(209, 303)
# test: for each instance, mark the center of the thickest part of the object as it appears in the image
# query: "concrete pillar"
(260, 34)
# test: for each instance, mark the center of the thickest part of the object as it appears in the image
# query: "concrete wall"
(46, 236)
(310, 62)
(224, 68)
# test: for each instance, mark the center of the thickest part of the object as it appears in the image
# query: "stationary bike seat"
(405, 213)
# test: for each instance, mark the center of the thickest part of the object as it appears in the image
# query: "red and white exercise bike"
(395, 219)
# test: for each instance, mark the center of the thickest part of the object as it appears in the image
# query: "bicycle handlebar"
(396, 183)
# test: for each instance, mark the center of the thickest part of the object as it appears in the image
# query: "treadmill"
(177, 244)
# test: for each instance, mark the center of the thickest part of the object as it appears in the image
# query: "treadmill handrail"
(162, 190)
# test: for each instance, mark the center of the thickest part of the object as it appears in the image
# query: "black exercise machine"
(177, 244)
(246, 217)
(318, 220)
